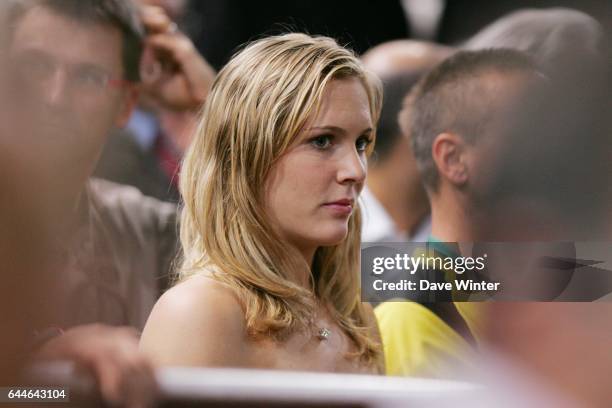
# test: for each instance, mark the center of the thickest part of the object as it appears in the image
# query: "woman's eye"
(362, 143)
(321, 142)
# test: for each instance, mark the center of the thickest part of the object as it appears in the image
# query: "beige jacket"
(118, 259)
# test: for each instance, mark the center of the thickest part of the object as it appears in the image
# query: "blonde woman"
(270, 225)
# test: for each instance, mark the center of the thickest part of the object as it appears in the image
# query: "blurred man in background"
(110, 241)
(551, 182)
(70, 69)
(394, 203)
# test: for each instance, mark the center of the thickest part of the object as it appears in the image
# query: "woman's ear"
(449, 154)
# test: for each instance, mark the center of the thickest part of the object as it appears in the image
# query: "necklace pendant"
(323, 334)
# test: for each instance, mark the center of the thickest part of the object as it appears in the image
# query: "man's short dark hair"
(456, 97)
(388, 131)
(118, 13)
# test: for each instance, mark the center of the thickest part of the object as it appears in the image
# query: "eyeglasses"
(35, 70)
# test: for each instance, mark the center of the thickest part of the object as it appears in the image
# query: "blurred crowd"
(494, 128)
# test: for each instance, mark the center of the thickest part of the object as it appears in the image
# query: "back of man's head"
(464, 96)
(121, 14)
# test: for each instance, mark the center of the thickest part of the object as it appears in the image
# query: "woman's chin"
(333, 237)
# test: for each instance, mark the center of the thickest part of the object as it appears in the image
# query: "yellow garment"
(417, 342)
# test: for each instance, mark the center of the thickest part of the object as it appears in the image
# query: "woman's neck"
(301, 274)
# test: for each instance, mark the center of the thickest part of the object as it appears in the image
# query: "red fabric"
(168, 159)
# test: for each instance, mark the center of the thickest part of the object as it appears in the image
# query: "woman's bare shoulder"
(198, 322)
(199, 293)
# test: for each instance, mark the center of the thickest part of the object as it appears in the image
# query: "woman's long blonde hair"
(257, 107)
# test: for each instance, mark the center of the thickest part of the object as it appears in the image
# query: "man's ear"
(128, 103)
(449, 152)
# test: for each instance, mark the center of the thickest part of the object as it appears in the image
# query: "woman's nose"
(352, 167)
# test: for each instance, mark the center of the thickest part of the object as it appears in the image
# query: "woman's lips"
(340, 207)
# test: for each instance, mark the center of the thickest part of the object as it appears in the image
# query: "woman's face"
(312, 189)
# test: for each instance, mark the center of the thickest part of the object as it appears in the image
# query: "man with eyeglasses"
(72, 70)
(75, 67)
